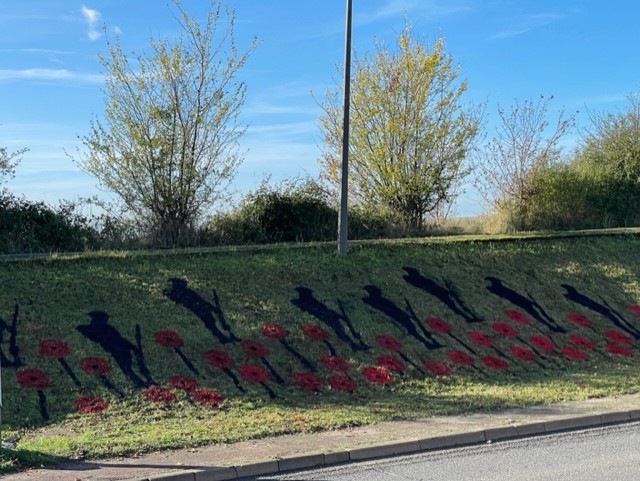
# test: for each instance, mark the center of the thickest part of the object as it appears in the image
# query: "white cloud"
(91, 16)
(49, 74)
(431, 8)
(528, 23)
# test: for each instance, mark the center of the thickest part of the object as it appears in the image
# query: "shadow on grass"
(13, 460)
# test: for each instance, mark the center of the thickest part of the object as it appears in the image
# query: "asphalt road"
(611, 454)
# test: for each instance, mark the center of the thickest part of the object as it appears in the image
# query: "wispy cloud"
(526, 24)
(45, 51)
(431, 8)
(50, 75)
(91, 16)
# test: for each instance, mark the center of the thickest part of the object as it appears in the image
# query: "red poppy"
(494, 362)
(95, 366)
(314, 332)
(542, 342)
(573, 353)
(460, 357)
(438, 325)
(578, 319)
(385, 341)
(159, 394)
(254, 349)
(342, 383)
(635, 308)
(617, 337)
(91, 404)
(54, 348)
(480, 338)
(581, 341)
(437, 368)
(307, 381)
(32, 378)
(390, 362)
(523, 353)
(504, 329)
(183, 383)
(275, 331)
(516, 316)
(253, 372)
(334, 363)
(377, 375)
(219, 359)
(207, 396)
(168, 338)
(618, 349)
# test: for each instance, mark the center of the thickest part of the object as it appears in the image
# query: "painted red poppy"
(390, 362)
(168, 338)
(273, 330)
(618, 349)
(523, 353)
(573, 353)
(542, 342)
(578, 319)
(254, 349)
(460, 357)
(581, 341)
(635, 308)
(437, 368)
(183, 383)
(504, 329)
(32, 378)
(516, 316)
(342, 383)
(159, 394)
(617, 337)
(493, 362)
(307, 381)
(315, 332)
(208, 397)
(219, 359)
(253, 372)
(95, 366)
(90, 404)
(334, 363)
(385, 341)
(377, 375)
(54, 348)
(438, 325)
(480, 338)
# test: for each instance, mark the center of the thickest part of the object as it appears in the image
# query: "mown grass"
(257, 286)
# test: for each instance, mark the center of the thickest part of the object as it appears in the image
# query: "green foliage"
(409, 134)
(168, 147)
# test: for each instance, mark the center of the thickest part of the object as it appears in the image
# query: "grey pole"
(344, 186)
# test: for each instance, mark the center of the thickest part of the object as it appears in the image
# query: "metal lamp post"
(344, 186)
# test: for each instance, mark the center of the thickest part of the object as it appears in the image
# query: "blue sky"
(583, 52)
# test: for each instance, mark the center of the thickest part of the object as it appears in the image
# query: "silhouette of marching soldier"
(14, 351)
(121, 349)
(604, 310)
(528, 303)
(334, 320)
(407, 320)
(210, 314)
(447, 295)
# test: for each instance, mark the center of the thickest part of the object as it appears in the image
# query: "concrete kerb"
(400, 448)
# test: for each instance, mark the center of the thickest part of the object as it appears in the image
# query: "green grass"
(256, 286)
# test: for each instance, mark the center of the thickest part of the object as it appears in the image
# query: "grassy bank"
(289, 339)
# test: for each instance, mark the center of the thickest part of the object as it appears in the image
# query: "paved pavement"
(286, 453)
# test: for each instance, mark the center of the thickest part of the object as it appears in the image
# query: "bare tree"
(8, 162)
(168, 146)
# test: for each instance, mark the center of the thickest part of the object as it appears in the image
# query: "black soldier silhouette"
(336, 321)
(14, 350)
(210, 314)
(447, 294)
(121, 349)
(405, 319)
(603, 309)
(526, 303)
